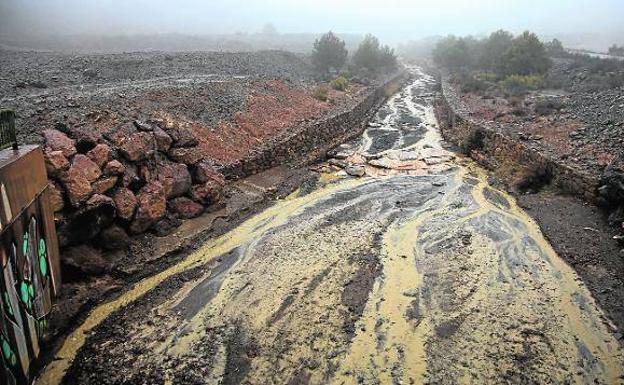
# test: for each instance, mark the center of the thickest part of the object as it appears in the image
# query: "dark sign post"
(7, 130)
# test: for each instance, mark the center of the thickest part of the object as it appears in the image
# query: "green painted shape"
(43, 262)
(7, 303)
(31, 291)
(6, 349)
(24, 292)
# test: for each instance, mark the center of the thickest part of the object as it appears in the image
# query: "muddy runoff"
(414, 271)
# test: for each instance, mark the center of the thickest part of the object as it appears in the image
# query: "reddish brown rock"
(57, 141)
(134, 145)
(114, 167)
(183, 137)
(204, 172)
(76, 185)
(189, 156)
(86, 167)
(207, 193)
(152, 205)
(131, 178)
(56, 163)
(174, 177)
(100, 154)
(163, 140)
(126, 202)
(139, 146)
(83, 225)
(55, 195)
(83, 261)
(101, 186)
(185, 207)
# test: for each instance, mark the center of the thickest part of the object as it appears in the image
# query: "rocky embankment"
(573, 146)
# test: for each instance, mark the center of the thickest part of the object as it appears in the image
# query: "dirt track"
(419, 273)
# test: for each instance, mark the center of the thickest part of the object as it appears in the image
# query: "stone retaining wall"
(493, 149)
(311, 142)
(149, 175)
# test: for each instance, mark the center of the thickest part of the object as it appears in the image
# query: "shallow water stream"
(418, 272)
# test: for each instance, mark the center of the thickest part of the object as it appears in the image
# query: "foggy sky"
(392, 20)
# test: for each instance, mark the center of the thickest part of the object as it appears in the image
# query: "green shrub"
(321, 93)
(340, 83)
(519, 84)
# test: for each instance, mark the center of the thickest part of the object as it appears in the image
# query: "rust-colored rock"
(96, 214)
(134, 145)
(126, 203)
(183, 137)
(57, 141)
(208, 193)
(76, 185)
(185, 207)
(114, 167)
(174, 177)
(102, 185)
(100, 154)
(152, 205)
(204, 172)
(189, 156)
(163, 140)
(56, 163)
(86, 167)
(138, 146)
(55, 195)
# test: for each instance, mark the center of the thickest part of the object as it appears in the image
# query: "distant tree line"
(616, 51)
(329, 55)
(502, 54)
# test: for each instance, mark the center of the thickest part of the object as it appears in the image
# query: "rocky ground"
(134, 144)
(399, 263)
(579, 119)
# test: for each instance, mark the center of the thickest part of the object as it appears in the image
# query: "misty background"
(118, 25)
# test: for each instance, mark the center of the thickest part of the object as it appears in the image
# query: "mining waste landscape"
(311, 192)
(418, 272)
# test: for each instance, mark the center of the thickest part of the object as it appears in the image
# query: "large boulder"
(185, 208)
(186, 155)
(207, 193)
(56, 163)
(152, 206)
(163, 140)
(175, 178)
(77, 186)
(100, 154)
(134, 145)
(183, 137)
(204, 172)
(55, 140)
(83, 225)
(104, 184)
(126, 203)
(114, 167)
(55, 195)
(86, 167)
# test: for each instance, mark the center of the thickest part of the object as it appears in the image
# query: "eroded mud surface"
(419, 272)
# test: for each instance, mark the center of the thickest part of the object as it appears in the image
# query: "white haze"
(592, 24)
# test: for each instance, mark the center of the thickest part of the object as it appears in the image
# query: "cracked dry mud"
(420, 272)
